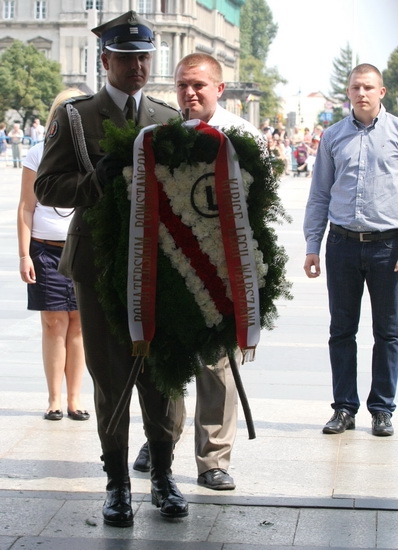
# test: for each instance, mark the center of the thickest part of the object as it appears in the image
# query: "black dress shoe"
(117, 509)
(217, 479)
(78, 415)
(167, 497)
(164, 491)
(339, 423)
(143, 462)
(54, 415)
(381, 424)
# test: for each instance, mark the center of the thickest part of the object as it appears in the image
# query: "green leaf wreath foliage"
(182, 343)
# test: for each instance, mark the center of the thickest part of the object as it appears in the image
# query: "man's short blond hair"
(197, 59)
(366, 68)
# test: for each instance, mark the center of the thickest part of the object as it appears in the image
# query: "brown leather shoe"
(217, 479)
(339, 423)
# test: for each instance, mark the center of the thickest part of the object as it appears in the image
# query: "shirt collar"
(120, 97)
(381, 114)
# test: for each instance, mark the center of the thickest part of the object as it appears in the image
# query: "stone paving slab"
(208, 524)
(33, 543)
(295, 486)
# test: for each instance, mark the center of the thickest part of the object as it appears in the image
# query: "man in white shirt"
(36, 131)
(199, 85)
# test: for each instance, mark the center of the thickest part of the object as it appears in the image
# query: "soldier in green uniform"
(72, 173)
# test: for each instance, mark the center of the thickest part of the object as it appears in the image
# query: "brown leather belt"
(366, 236)
(61, 244)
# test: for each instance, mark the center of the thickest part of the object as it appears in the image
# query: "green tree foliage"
(390, 77)
(252, 70)
(257, 31)
(342, 66)
(28, 81)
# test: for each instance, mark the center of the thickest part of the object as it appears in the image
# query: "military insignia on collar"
(53, 130)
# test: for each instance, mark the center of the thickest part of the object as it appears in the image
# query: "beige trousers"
(216, 415)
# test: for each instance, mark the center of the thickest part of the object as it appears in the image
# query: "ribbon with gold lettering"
(143, 244)
(238, 247)
(236, 235)
(237, 240)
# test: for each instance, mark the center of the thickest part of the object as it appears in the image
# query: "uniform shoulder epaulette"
(161, 102)
(78, 98)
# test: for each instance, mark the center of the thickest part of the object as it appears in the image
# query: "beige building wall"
(64, 35)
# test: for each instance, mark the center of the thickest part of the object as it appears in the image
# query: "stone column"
(176, 49)
(156, 55)
(92, 44)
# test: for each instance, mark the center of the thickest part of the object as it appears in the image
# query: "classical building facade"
(61, 30)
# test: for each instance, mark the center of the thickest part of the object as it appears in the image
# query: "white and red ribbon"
(236, 235)
(143, 244)
(238, 247)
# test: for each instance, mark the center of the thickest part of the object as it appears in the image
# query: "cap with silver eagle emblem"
(127, 33)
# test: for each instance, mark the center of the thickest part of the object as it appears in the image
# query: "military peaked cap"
(127, 33)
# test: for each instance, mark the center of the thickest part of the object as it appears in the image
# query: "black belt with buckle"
(366, 236)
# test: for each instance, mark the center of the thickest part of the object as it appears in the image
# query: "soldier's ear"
(104, 59)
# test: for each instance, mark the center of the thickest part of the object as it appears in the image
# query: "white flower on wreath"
(128, 176)
(206, 230)
(194, 284)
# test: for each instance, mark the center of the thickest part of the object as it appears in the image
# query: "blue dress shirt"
(355, 179)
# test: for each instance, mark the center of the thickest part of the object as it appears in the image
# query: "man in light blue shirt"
(355, 187)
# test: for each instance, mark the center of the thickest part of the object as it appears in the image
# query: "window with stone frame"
(9, 9)
(164, 59)
(41, 10)
(97, 4)
(145, 7)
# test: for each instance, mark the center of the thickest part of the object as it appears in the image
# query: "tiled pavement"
(295, 487)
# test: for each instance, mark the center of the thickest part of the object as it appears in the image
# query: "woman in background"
(42, 232)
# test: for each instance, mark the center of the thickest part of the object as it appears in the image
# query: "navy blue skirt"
(52, 291)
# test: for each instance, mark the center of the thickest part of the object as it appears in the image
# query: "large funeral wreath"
(189, 332)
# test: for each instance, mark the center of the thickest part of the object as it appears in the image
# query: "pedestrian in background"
(288, 156)
(36, 132)
(3, 142)
(42, 232)
(15, 136)
(355, 186)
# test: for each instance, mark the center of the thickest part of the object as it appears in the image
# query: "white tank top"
(48, 223)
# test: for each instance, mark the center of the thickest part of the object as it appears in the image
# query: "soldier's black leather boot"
(117, 509)
(165, 493)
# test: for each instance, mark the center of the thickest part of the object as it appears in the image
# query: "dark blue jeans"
(349, 264)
